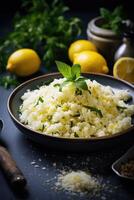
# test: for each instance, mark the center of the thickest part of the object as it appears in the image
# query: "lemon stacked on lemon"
(84, 52)
(79, 46)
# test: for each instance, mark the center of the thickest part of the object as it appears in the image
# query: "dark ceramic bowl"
(67, 144)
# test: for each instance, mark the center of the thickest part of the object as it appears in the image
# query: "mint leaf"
(76, 115)
(82, 78)
(39, 100)
(118, 11)
(105, 13)
(121, 108)
(76, 135)
(64, 69)
(72, 74)
(81, 84)
(75, 70)
(42, 128)
(63, 84)
(56, 85)
(94, 110)
(113, 19)
(78, 91)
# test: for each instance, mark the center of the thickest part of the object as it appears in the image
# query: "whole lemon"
(91, 61)
(78, 46)
(24, 62)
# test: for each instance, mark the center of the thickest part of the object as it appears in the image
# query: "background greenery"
(43, 28)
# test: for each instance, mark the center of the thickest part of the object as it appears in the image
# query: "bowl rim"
(14, 92)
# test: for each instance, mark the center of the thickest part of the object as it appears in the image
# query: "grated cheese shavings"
(78, 181)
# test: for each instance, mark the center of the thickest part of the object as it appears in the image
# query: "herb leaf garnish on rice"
(72, 74)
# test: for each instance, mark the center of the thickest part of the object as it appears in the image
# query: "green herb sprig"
(76, 135)
(8, 81)
(93, 109)
(72, 74)
(43, 28)
(121, 108)
(112, 19)
(42, 128)
(40, 100)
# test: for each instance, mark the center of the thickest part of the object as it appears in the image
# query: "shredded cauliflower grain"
(69, 113)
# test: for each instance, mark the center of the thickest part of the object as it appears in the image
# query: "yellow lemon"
(91, 61)
(78, 46)
(24, 62)
(124, 69)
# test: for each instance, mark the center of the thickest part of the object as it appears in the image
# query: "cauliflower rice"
(99, 111)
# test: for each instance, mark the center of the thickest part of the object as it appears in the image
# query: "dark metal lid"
(128, 28)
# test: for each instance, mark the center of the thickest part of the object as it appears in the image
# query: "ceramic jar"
(105, 40)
